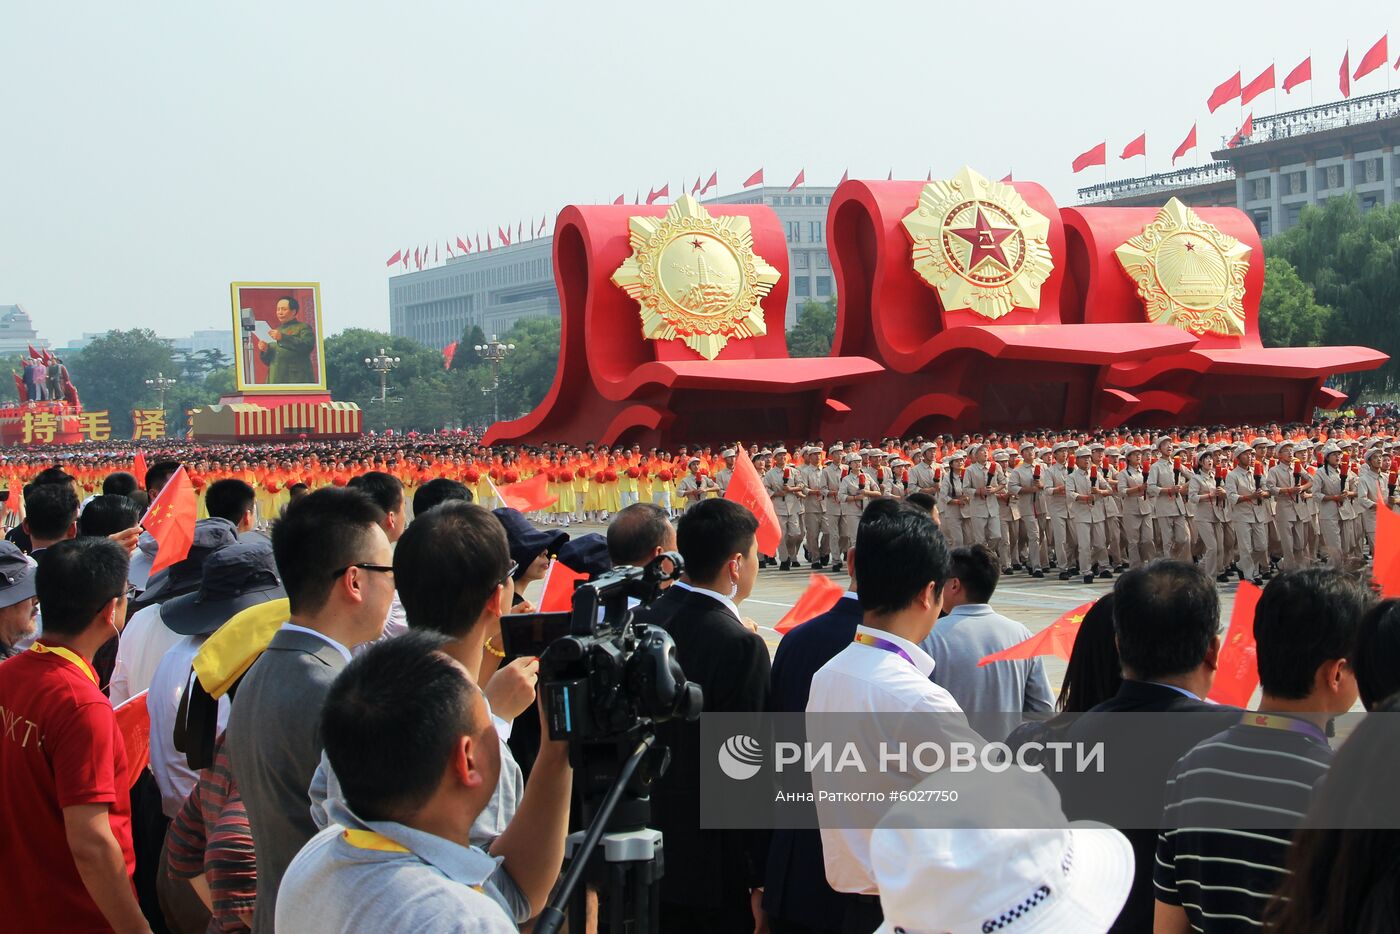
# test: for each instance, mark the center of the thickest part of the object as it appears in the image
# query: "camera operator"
(713, 878)
(412, 738)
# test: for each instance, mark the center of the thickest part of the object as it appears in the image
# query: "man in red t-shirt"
(64, 805)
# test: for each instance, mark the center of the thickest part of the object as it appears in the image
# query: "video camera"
(606, 681)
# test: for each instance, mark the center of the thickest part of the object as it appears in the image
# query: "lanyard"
(1291, 724)
(884, 645)
(373, 840)
(67, 654)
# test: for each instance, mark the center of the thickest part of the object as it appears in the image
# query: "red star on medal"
(985, 240)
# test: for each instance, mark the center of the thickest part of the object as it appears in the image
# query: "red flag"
(465, 248)
(489, 245)
(799, 180)
(1265, 82)
(448, 353)
(713, 182)
(1096, 156)
(527, 495)
(170, 520)
(417, 261)
(435, 252)
(544, 219)
(32, 351)
(1007, 178)
(405, 257)
(663, 192)
(20, 388)
(1373, 59)
(134, 724)
(1227, 91)
(694, 189)
(1344, 75)
(889, 176)
(558, 595)
(1237, 669)
(504, 235)
(519, 226)
(1386, 568)
(746, 489)
(478, 241)
(929, 176)
(821, 595)
(1137, 147)
(448, 245)
(620, 199)
(1055, 639)
(138, 469)
(1246, 130)
(845, 177)
(754, 179)
(1188, 144)
(1303, 72)
(394, 260)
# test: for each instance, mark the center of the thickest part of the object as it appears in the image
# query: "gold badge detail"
(979, 245)
(696, 277)
(1187, 272)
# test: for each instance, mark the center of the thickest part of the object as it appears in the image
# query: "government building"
(1291, 160)
(497, 288)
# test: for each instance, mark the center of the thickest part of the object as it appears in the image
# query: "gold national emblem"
(979, 245)
(696, 277)
(1187, 272)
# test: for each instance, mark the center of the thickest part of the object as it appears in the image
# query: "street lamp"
(494, 351)
(382, 363)
(160, 383)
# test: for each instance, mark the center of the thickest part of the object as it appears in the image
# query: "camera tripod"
(625, 865)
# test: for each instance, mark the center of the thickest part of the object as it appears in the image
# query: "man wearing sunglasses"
(337, 568)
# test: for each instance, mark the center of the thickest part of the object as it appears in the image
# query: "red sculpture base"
(67, 425)
(284, 417)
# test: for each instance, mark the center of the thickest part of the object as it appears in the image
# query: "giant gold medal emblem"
(696, 277)
(979, 245)
(1187, 272)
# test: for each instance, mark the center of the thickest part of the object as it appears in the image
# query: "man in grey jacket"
(337, 568)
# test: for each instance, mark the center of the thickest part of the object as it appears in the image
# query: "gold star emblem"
(979, 244)
(1187, 272)
(696, 277)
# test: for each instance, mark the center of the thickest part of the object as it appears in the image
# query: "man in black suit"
(1166, 617)
(796, 895)
(714, 878)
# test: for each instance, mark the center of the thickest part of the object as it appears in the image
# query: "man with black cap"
(239, 576)
(18, 605)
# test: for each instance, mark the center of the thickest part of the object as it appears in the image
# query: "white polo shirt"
(864, 678)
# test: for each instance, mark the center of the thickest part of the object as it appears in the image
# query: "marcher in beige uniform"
(1084, 494)
(834, 540)
(952, 499)
(1137, 508)
(784, 485)
(1055, 475)
(1286, 481)
(1166, 487)
(813, 506)
(692, 486)
(726, 474)
(1370, 494)
(1113, 507)
(1332, 496)
(1024, 486)
(1209, 496)
(1245, 497)
(855, 491)
(1008, 544)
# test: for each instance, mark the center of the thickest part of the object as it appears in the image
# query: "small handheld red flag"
(821, 595)
(1055, 639)
(527, 495)
(746, 489)
(448, 353)
(134, 724)
(1237, 671)
(558, 595)
(170, 520)
(138, 469)
(1386, 567)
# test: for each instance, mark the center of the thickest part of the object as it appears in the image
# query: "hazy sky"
(154, 152)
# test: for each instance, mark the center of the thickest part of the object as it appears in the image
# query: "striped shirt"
(1264, 767)
(210, 836)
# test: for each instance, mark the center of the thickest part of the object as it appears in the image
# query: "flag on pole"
(527, 495)
(746, 489)
(754, 179)
(1095, 156)
(394, 260)
(448, 353)
(503, 234)
(1344, 75)
(712, 182)
(620, 199)
(821, 594)
(799, 180)
(695, 189)
(1265, 82)
(1007, 178)
(134, 723)
(1300, 73)
(1226, 91)
(663, 192)
(1246, 130)
(1374, 58)
(845, 177)
(138, 469)
(1237, 666)
(1055, 639)
(465, 248)
(170, 520)
(1188, 144)
(1137, 147)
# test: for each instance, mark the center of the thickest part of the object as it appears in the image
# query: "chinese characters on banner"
(45, 427)
(148, 424)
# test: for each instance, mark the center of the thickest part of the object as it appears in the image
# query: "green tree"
(815, 329)
(1289, 315)
(111, 373)
(528, 371)
(1351, 259)
(349, 380)
(467, 358)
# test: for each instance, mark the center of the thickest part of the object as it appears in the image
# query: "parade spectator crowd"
(329, 736)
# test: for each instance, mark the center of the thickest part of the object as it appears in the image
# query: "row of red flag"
(419, 256)
(1235, 88)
